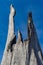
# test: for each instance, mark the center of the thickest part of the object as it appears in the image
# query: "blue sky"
(22, 8)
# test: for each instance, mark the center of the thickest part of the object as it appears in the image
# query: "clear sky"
(22, 8)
